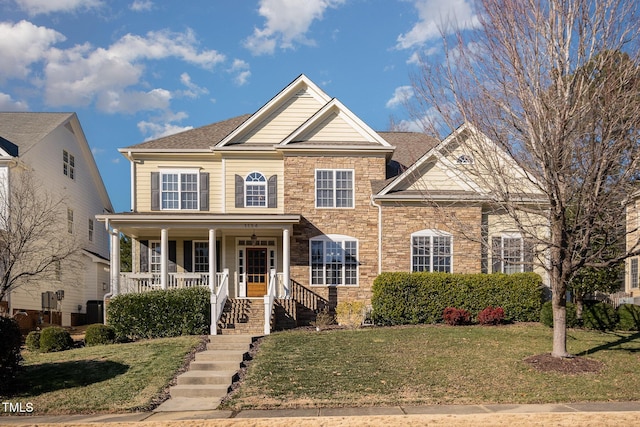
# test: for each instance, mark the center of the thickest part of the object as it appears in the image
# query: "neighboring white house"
(53, 146)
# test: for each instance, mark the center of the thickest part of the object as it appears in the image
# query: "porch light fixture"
(254, 239)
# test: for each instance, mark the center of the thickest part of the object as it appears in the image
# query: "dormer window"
(464, 159)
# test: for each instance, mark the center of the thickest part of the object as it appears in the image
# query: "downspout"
(133, 181)
(379, 233)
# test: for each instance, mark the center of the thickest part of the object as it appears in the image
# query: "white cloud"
(241, 69)
(7, 103)
(154, 130)
(22, 45)
(288, 21)
(83, 74)
(141, 5)
(193, 90)
(37, 7)
(401, 95)
(434, 16)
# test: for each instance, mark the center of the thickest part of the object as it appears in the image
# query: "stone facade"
(359, 222)
(400, 220)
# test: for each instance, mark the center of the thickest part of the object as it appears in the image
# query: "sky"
(135, 70)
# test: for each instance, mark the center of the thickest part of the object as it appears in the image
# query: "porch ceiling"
(134, 224)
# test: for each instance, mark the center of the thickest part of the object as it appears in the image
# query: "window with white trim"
(431, 250)
(179, 190)
(200, 257)
(508, 252)
(334, 260)
(68, 164)
(334, 188)
(633, 273)
(255, 187)
(90, 230)
(70, 220)
(155, 258)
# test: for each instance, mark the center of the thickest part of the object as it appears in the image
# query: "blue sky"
(135, 70)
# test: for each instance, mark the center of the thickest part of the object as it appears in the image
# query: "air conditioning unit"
(49, 300)
(60, 295)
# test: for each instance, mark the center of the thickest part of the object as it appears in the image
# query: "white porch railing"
(218, 299)
(144, 282)
(268, 300)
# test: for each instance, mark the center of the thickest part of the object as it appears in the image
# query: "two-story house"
(53, 147)
(306, 189)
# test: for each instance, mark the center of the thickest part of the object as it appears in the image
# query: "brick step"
(237, 346)
(199, 390)
(206, 377)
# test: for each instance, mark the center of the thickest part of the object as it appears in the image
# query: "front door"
(257, 273)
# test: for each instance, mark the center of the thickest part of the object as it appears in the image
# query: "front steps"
(210, 375)
(243, 316)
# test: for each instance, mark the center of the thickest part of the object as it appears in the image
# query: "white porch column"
(114, 270)
(286, 261)
(164, 257)
(212, 259)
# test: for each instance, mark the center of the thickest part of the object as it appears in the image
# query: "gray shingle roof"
(27, 129)
(202, 137)
(410, 146)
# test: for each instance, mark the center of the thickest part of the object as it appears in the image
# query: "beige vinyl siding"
(143, 179)
(434, 177)
(333, 129)
(284, 120)
(244, 166)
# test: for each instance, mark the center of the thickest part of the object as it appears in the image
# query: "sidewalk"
(583, 414)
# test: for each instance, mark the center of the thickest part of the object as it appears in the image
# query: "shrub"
(413, 298)
(10, 357)
(166, 313)
(32, 342)
(628, 317)
(55, 338)
(491, 316)
(456, 316)
(350, 313)
(99, 334)
(546, 315)
(323, 319)
(600, 316)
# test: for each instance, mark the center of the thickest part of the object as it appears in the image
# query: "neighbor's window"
(179, 190)
(633, 273)
(70, 220)
(334, 188)
(431, 251)
(90, 230)
(334, 260)
(68, 164)
(255, 190)
(508, 254)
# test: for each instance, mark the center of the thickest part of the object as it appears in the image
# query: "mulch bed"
(564, 365)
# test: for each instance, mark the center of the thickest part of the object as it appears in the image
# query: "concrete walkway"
(596, 412)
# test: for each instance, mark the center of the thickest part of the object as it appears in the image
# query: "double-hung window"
(334, 188)
(431, 250)
(510, 254)
(334, 260)
(633, 273)
(179, 190)
(68, 164)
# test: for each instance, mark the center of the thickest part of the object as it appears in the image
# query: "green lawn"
(431, 365)
(109, 378)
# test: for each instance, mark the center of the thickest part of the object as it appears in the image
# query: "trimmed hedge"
(99, 334)
(628, 317)
(32, 342)
(159, 314)
(55, 338)
(546, 315)
(600, 316)
(414, 298)
(10, 357)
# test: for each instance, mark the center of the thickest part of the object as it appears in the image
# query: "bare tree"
(556, 85)
(35, 244)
